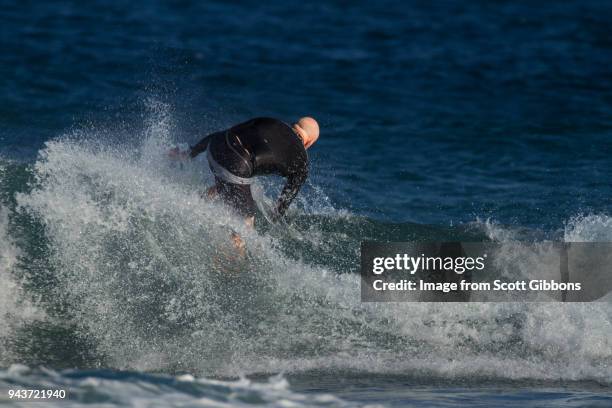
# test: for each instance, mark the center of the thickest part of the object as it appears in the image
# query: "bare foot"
(211, 192)
(239, 244)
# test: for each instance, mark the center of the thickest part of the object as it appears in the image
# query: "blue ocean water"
(431, 111)
(439, 120)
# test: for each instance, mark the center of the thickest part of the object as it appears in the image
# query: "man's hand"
(178, 154)
(173, 153)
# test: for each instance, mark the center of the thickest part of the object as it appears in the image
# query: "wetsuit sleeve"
(292, 187)
(200, 146)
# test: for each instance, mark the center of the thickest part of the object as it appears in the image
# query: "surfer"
(260, 146)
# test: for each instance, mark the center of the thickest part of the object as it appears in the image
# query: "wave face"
(16, 308)
(125, 266)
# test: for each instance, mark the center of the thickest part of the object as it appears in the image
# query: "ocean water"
(439, 121)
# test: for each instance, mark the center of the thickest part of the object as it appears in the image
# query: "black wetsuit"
(258, 147)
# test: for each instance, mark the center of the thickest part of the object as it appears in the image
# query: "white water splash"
(148, 269)
(590, 228)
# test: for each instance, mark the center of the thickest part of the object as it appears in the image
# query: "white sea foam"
(589, 228)
(148, 269)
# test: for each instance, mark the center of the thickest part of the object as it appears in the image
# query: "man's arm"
(181, 154)
(200, 147)
(293, 186)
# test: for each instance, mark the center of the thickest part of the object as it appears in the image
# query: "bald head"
(308, 130)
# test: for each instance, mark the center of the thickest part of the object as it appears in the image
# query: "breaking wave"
(137, 272)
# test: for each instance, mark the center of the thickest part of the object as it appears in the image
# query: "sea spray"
(149, 273)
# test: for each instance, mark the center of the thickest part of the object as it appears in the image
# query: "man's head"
(308, 130)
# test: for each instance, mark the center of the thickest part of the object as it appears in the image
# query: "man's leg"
(238, 197)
